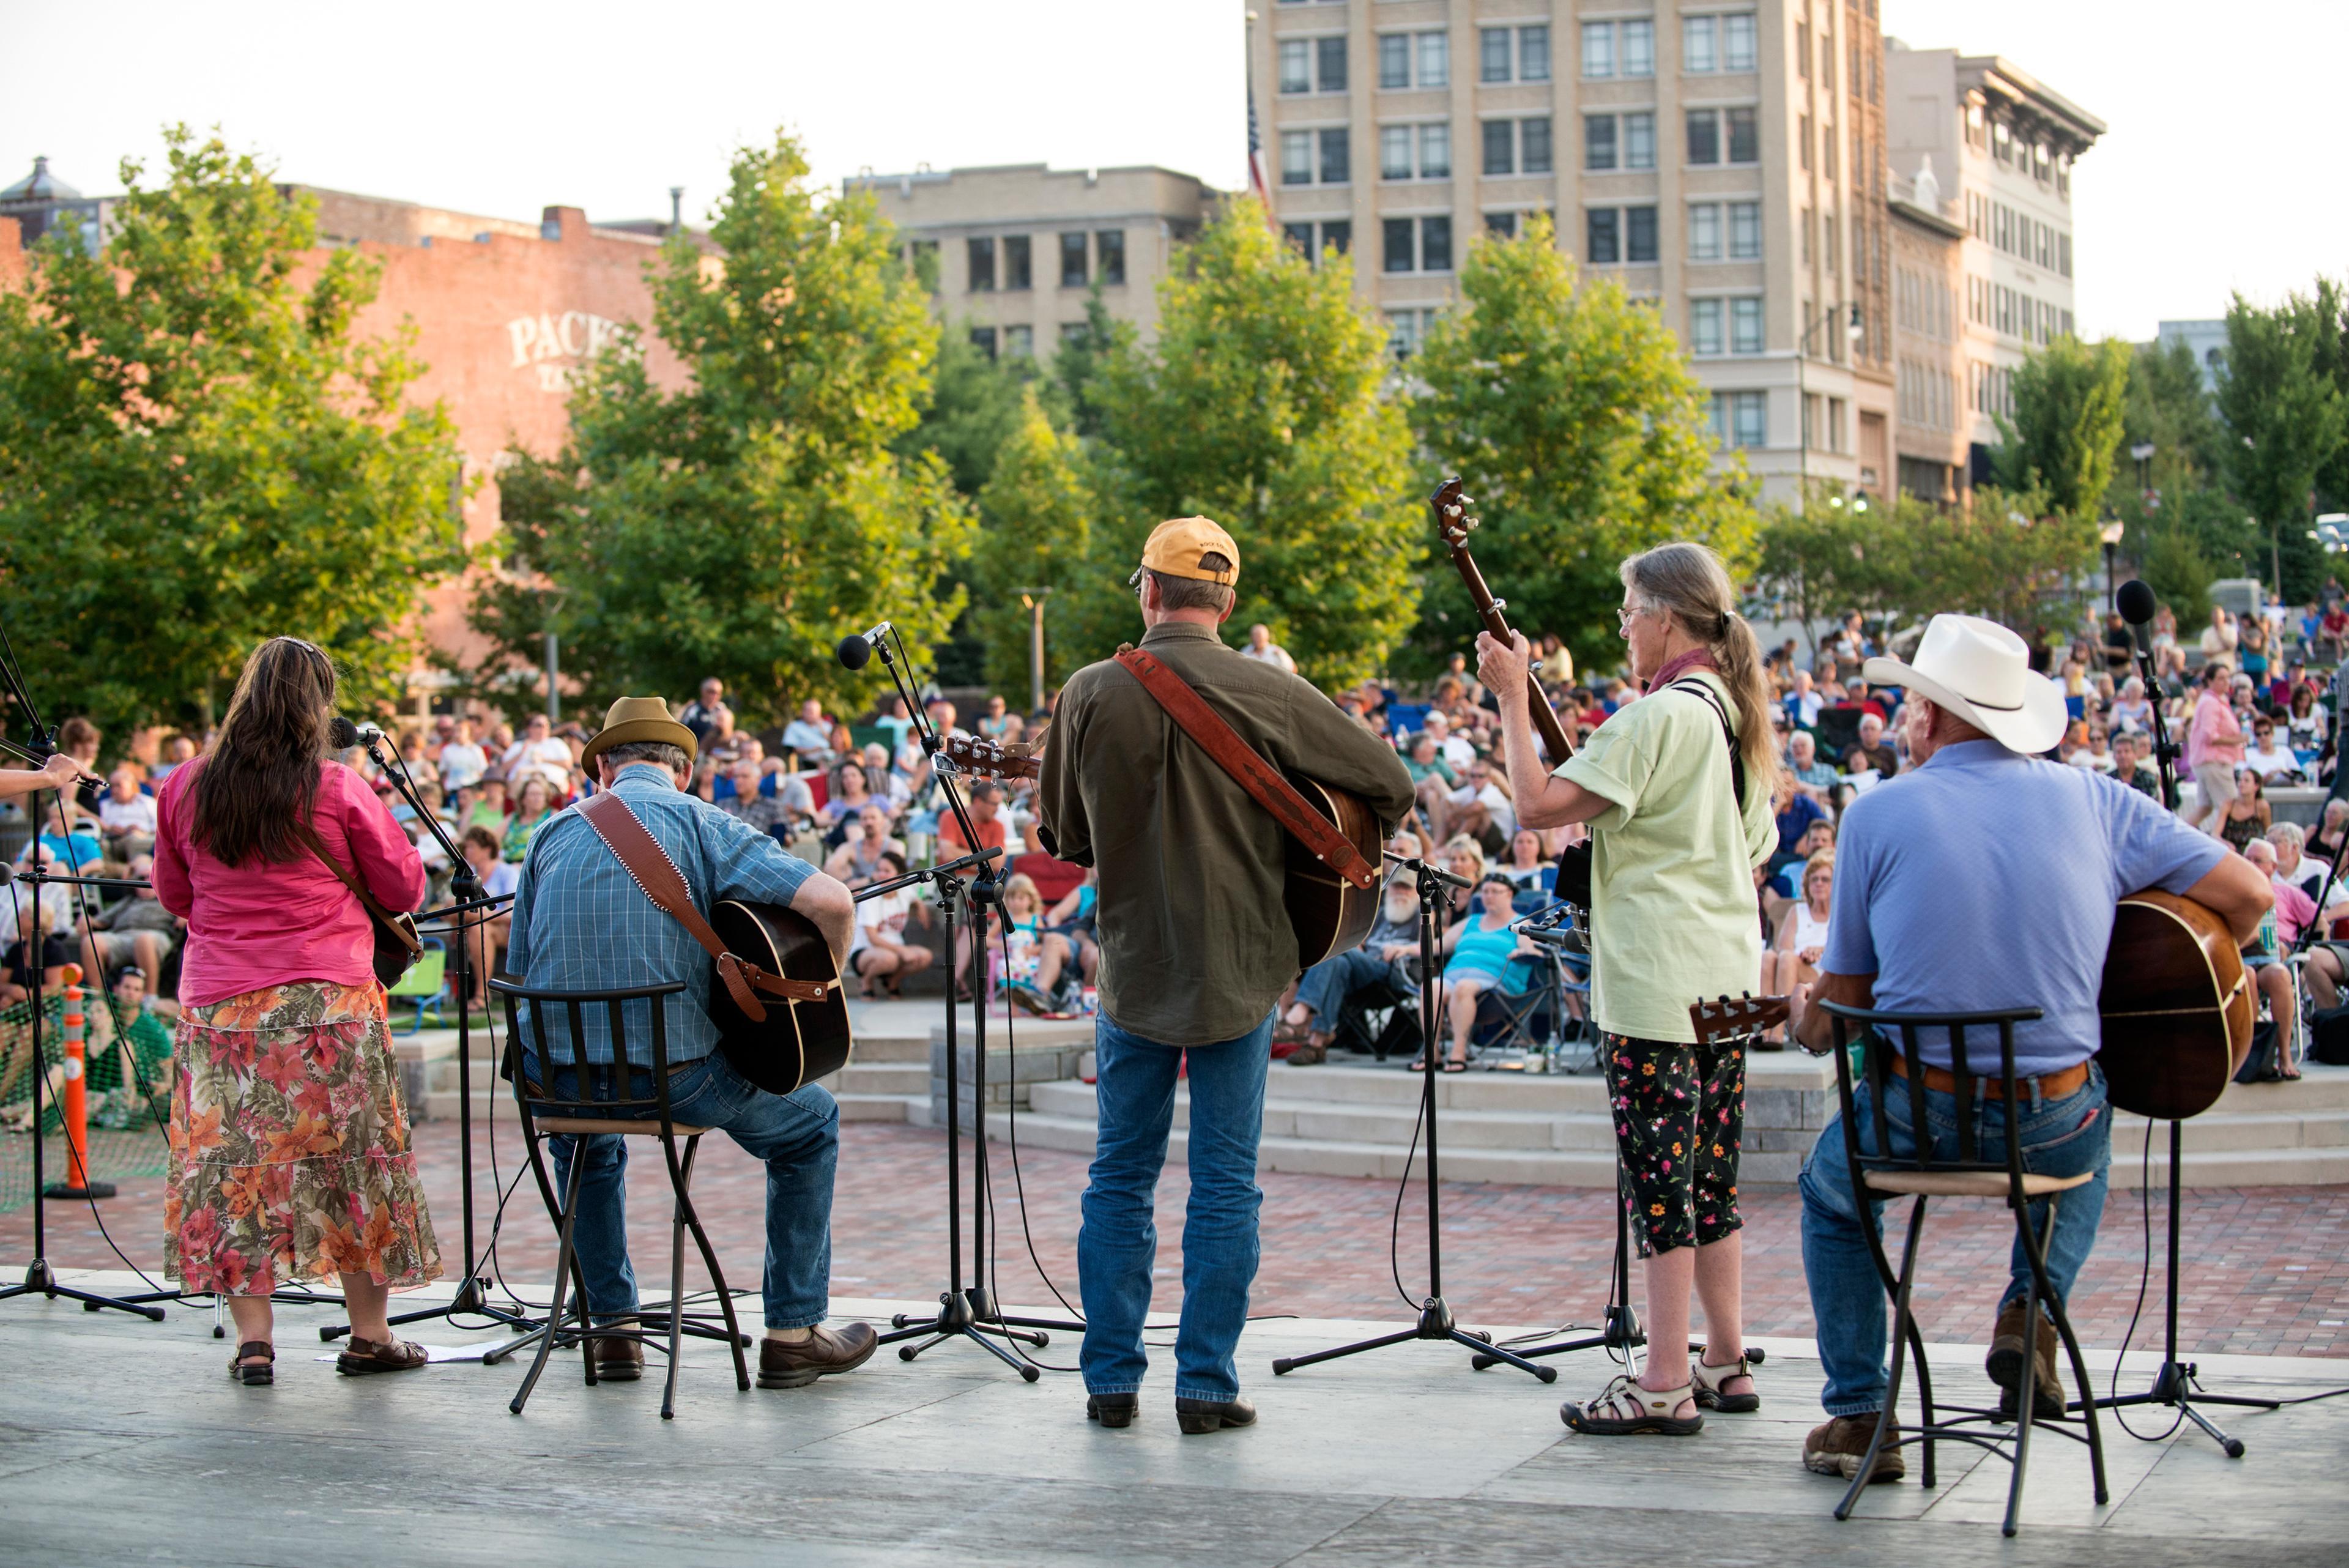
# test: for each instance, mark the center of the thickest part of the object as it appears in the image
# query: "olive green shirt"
(1196, 942)
(1673, 860)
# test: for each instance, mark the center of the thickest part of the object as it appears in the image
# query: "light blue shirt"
(1986, 879)
(581, 923)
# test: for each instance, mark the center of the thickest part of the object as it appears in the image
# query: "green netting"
(125, 1125)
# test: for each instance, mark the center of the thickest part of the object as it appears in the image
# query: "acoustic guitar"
(800, 1040)
(2177, 1007)
(1328, 914)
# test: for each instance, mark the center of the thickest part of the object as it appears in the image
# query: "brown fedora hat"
(639, 719)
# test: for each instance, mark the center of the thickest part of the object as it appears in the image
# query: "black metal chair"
(600, 1106)
(1973, 1174)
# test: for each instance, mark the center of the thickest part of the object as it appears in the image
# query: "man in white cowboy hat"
(582, 923)
(1984, 878)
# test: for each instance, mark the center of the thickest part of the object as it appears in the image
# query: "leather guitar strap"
(649, 865)
(405, 930)
(1251, 771)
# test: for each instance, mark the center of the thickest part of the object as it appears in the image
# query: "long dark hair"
(262, 775)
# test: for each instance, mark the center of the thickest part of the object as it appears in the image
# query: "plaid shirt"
(581, 923)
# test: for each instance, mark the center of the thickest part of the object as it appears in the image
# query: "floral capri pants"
(1680, 1110)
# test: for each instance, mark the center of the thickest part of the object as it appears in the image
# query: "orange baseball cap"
(1176, 547)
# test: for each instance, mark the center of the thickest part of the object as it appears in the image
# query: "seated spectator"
(419, 767)
(879, 951)
(1379, 971)
(1480, 947)
(1483, 808)
(896, 719)
(2130, 767)
(1037, 962)
(2294, 864)
(2248, 816)
(1795, 813)
(1073, 918)
(2121, 646)
(463, 762)
(1264, 650)
(1793, 958)
(1465, 859)
(700, 715)
(1812, 776)
(2293, 911)
(1456, 751)
(809, 736)
(1526, 869)
(2217, 640)
(177, 752)
(1873, 751)
(35, 929)
(81, 849)
(126, 817)
(742, 797)
(942, 716)
(846, 793)
(536, 807)
(137, 930)
(858, 859)
(486, 853)
(1803, 704)
(997, 720)
(2098, 755)
(2331, 833)
(2269, 757)
(2130, 710)
(2306, 724)
(538, 754)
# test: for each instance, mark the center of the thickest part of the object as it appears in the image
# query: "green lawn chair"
(426, 985)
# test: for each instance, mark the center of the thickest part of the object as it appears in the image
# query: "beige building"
(1999, 147)
(1723, 159)
(1013, 252)
(1934, 427)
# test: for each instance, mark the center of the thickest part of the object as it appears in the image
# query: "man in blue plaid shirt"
(581, 923)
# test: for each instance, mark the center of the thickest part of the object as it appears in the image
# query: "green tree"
(2004, 558)
(2168, 408)
(1830, 555)
(1077, 362)
(2328, 312)
(1036, 531)
(2285, 423)
(2067, 423)
(740, 525)
(2179, 575)
(973, 408)
(197, 451)
(1260, 406)
(1575, 423)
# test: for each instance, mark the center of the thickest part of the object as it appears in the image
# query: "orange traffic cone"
(73, 1103)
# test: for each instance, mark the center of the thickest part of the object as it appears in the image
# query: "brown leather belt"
(2052, 1085)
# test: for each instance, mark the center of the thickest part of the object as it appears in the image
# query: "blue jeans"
(1134, 1079)
(1848, 1304)
(1325, 987)
(797, 1134)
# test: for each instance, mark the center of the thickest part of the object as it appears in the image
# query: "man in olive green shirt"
(1195, 949)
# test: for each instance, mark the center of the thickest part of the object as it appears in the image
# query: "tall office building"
(1723, 160)
(1998, 147)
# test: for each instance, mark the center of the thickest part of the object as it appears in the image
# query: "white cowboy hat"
(1981, 672)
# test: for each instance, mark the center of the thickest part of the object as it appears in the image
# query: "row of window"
(1928, 396)
(1016, 254)
(1415, 245)
(2016, 313)
(1716, 137)
(1717, 230)
(1708, 43)
(1019, 341)
(1731, 326)
(1993, 391)
(1923, 303)
(2019, 235)
(2036, 159)
(1424, 152)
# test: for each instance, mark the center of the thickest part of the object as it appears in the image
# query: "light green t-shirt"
(1672, 863)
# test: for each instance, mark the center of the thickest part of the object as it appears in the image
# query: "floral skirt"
(289, 1157)
(1680, 1114)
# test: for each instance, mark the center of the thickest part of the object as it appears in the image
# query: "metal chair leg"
(1901, 1323)
(2026, 1399)
(1924, 1402)
(676, 1296)
(563, 1265)
(725, 1296)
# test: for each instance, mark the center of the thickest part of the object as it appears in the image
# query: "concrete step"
(2222, 1130)
(1323, 1157)
(1350, 1121)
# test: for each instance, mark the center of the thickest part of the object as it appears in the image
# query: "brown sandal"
(254, 1376)
(365, 1357)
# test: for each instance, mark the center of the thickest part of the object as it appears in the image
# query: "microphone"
(855, 649)
(342, 734)
(2135, 601)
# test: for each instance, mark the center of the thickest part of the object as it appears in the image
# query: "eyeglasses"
(1628, 613)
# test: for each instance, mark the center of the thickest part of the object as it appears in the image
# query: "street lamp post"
(1802, 391)
(1033, 599)
(2110, 534)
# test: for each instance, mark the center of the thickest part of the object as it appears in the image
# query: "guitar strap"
(1737, 757)
(653, 871)
(1249, 770)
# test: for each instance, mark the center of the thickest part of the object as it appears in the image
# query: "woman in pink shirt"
(289, 1157)
(2214, 750)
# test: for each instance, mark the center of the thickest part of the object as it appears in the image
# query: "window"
(1745, 135)
(982, 267)
(1394, 152)
(1640, 234)
(1745, 326)
(922, 255)
(1431, 143)
(2064, 254)
(1336, 236)
(1300, 236)
(1074, 274)
(1500, 147)
(1639, 48)
(1334, 170)
(1434, 54)
(1803, 50)
(1296, 65)
(1534, 135)
(1533, 54)
(1599, 49)
(1704, 136)
(1435, 244)
(1704, 326)
(1697, 53)
(1109, 251)
(1826, 64)
(1745, 231)
(1803, 140)
(1435, 153)
(1827, 151)
(1639, 140)
(1740, 419)
(1020, 342)
(1330, 58)
(983, 339)
(1407, 329)
(1705, 231)
(1502, 225)
(1394, 60)
(1603, 236)
(1492, 55)
(1397, 252)
(1017, 271)
(1598, 141)
(1297, 158)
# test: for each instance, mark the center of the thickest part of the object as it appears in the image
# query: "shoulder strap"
(648, 865)
(383, 919)
(1736, 756)
(1249, 770)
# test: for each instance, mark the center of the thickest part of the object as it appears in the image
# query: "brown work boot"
(2004, 1362)
(822, 1354)
(1312, 1053)
(618, 1360)
(1837, 1449)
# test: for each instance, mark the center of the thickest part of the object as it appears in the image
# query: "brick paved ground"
(2267, 1270)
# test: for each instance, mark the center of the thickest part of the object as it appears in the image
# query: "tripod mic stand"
(2177, 1382)
(1435, 1320)
(964, 1311)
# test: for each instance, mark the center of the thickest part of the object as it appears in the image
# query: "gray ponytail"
(1688, 581)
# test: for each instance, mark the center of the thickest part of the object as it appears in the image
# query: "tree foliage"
(1578, 428)
(2065, 434)
(2286, 420)
(197, 452)
(973, 405)
(740, 525)
(1036, 533)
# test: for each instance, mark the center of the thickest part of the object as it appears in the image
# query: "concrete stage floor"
(122, 1441)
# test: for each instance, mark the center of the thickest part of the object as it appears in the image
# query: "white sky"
(2217, 174)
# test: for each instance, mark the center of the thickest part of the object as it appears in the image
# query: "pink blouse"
(264, 923)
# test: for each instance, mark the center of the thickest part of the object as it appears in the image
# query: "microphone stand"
(966, 1311)
(1435, 1320)
(2177, 1384)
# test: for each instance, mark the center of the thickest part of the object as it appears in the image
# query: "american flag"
(1257, 179)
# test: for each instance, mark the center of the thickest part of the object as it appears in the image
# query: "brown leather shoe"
(823, 1353)
(1837, 1449)
(2004, 1362)
(618, 1360)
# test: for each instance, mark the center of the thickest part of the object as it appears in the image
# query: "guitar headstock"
(1734, 1017)
(1453, 524)
(981, 758)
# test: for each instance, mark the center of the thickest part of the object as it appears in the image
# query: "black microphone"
(342, 734)
(855, 649)
(2135, 601)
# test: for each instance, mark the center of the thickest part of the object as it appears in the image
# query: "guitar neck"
(1546, 720)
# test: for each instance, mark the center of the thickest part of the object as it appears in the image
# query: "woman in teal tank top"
(1481, 947)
